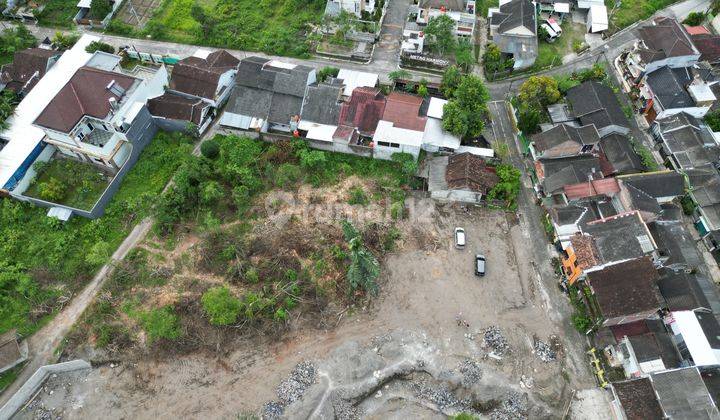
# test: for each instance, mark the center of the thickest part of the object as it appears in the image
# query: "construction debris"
(292, 388)
(495, 340)
(344, 410)
(272, 410)
(441, 396)
(471, 372)
(512, 408)
(544, 352)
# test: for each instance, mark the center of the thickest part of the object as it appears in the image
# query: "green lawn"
(631, 11)
(82, 183)
(42, 259)
(551, 54)
(272, 26)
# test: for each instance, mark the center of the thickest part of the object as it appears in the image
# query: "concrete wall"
(35, 382)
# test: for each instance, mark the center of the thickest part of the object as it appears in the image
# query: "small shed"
(12, 353)
(597, 19)
(463, 177)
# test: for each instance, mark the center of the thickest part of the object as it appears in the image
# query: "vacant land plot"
(551, 54)
(626, 12)
(58, 13)
(437, 340)
(272, 26)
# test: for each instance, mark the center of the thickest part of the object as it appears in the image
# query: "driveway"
(387, 51)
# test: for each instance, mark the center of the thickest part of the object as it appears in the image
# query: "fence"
(30, 387)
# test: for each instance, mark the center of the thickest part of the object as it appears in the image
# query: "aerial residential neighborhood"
(360, 209)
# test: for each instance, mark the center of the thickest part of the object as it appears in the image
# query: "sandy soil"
(422, 295)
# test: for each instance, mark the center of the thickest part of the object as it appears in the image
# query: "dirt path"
(43, 343)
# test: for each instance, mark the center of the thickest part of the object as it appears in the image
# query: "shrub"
(52, 190)
(211, 191)
(713, 120)
(397, 210)
(287, 174)
(252, 276)
(100, 8)
(688, 205)
(694, 19)
(160, 323)
(357, 196)
(100, 46)
(210, 149)
(327, 72)
(221, 306)
(646, 157)
(311, 158)
(581, 322)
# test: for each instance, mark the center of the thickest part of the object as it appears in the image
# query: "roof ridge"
(77, 97)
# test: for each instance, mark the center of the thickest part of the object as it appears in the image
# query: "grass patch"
(551, 54)
(69, 182)
(42, 259)
(482, 6)
(631, 11)
(271, 26)
(9, 376)
(58, 13)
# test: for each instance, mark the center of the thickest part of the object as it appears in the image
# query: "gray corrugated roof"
(669, 87)
(683, 394)
(620, 154)
(681, 291)
(322, 104)
(249, 101)
(595, 103)
(518, 13)
(619, 237)
(657, 184)
(565, 171)
(284, 107)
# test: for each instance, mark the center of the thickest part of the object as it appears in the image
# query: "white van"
(551, 35)
(554, 26)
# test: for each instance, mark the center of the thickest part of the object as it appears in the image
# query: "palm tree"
(364, 268)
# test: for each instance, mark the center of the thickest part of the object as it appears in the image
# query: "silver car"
(459, 238)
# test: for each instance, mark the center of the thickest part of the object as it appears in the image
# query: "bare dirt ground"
(416, 351)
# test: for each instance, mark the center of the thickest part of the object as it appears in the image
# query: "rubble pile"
(292, 388)
(272, 410)
(513, 408)
(544, 352)
(344, 410)
(495, 340)
(441, 396)
(471, 372)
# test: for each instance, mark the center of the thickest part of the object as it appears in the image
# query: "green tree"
(450, 81)
(210, 149)
(539, 91)
(221, 306)
(7, 108)
(15, 39)
(312, 158)
(494, 61)
(464, 55)
(694, 18)
(528, 119)
(65, 42)
(440, 31)
(364, 268)
(467, 108)
(100, 46)
(399, 74)
(712, 119)
(508, 187)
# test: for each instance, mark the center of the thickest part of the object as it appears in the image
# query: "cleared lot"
(406, 354)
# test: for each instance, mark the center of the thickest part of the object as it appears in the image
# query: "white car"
(459, 238)
(552, 35)
(554, 26)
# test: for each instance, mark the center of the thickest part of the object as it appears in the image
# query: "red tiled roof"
(86, 93)
(585, 251)
(709, 47)
(364, 109)
(604, 186)
(696, 30)
(403, 110)
(626, 288)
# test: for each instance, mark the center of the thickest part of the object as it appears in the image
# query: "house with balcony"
(668, 91)
(513, 28)
(686, 142)
(86, 109)
(665, 42)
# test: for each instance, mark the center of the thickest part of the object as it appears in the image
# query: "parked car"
(551, 35)
(459, 238)
(479, 265)
(554, 25)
